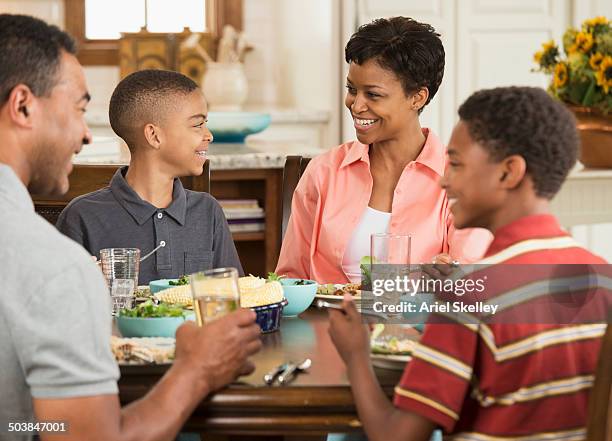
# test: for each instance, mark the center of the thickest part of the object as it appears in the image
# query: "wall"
(293, 63)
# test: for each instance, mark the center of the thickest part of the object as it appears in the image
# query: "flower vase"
(595, 131)
(225, 86)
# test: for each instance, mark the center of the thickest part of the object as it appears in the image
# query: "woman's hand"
(442, 259)
(349, 334)
(440, 266)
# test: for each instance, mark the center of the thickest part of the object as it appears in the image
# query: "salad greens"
(149, 309)
(183, 280)
(365, 264)
(302, 282)
(273, 277)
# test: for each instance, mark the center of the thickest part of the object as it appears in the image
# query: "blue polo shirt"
(193, 228)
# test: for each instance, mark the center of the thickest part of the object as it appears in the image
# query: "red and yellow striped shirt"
(499, 381)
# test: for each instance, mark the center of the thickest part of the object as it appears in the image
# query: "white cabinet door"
(497, 39)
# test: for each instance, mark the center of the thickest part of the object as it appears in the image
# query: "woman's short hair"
(411, 50)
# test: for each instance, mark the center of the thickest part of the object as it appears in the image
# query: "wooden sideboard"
(258, 251)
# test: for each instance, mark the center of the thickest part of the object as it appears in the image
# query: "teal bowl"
(151, 327)
(235, 126)
(300, 297)
(159, 285)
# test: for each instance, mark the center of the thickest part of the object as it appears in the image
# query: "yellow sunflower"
(604, 75)
(560, 77)
(583, 42)
(596, 60)
(546, 57)
(601, 20)
(538, 56)
(550, 44)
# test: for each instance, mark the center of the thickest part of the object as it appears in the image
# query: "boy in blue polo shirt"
(161, 115)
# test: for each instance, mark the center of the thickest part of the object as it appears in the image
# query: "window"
(97, 24)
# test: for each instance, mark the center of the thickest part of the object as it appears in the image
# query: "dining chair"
(293, 171)
(599, 422)
(86, 178)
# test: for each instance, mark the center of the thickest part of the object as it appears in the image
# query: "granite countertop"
(254, 154)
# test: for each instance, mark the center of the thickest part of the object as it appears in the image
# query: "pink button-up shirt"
(335, 190)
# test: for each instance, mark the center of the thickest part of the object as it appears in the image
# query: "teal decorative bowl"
(235, 126)
(299, 296)
(159, 285)
(151, 327)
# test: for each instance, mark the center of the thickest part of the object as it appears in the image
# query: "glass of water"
(392, 249)
(390, 259)
(120, 268)
(215, 293)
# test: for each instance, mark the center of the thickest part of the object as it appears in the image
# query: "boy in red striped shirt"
(508, 156)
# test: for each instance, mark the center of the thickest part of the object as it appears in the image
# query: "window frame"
(106, 52)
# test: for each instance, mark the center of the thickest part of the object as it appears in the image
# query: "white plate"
(162, 347)
(388, 361)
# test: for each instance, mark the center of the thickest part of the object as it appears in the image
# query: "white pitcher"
(225, 86)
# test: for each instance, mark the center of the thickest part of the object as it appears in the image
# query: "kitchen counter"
(254, 154)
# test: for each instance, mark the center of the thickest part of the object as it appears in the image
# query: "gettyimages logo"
(474, 294)
(411, 286)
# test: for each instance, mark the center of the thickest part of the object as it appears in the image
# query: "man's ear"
(21, 105)
(513, 170)
(153, 135)
(420, 98)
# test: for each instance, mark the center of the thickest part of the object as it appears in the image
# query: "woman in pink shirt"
(387, 180)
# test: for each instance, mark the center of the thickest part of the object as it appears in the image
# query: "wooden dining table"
(315, 403)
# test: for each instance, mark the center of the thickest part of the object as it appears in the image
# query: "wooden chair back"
(293, 171)
(87, 178)
(599, 424)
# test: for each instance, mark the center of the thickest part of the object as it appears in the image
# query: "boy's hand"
(349, 334)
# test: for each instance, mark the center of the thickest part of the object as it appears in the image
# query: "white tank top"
(372, 222)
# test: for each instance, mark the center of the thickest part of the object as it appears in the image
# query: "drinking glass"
(390, 258)
(120, 268)
(392, 249)
(215, 293)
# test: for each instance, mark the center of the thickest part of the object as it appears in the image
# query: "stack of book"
(243, 215)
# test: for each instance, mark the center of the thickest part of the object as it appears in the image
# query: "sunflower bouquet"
(584, 76)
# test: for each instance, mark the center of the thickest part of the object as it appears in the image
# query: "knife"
(294, 368)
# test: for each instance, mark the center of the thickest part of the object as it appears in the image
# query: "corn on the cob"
(254, 291)
(270, 292)
(250, 282)
(178, 295)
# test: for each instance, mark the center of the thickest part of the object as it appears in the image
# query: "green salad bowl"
(151, 326)
(299, 293)
(159, 285)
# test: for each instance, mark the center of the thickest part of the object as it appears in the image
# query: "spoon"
(293, 368)
(146, 256)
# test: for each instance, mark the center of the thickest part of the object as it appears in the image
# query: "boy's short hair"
(525, 121)
(30, 52)
(144, 97)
